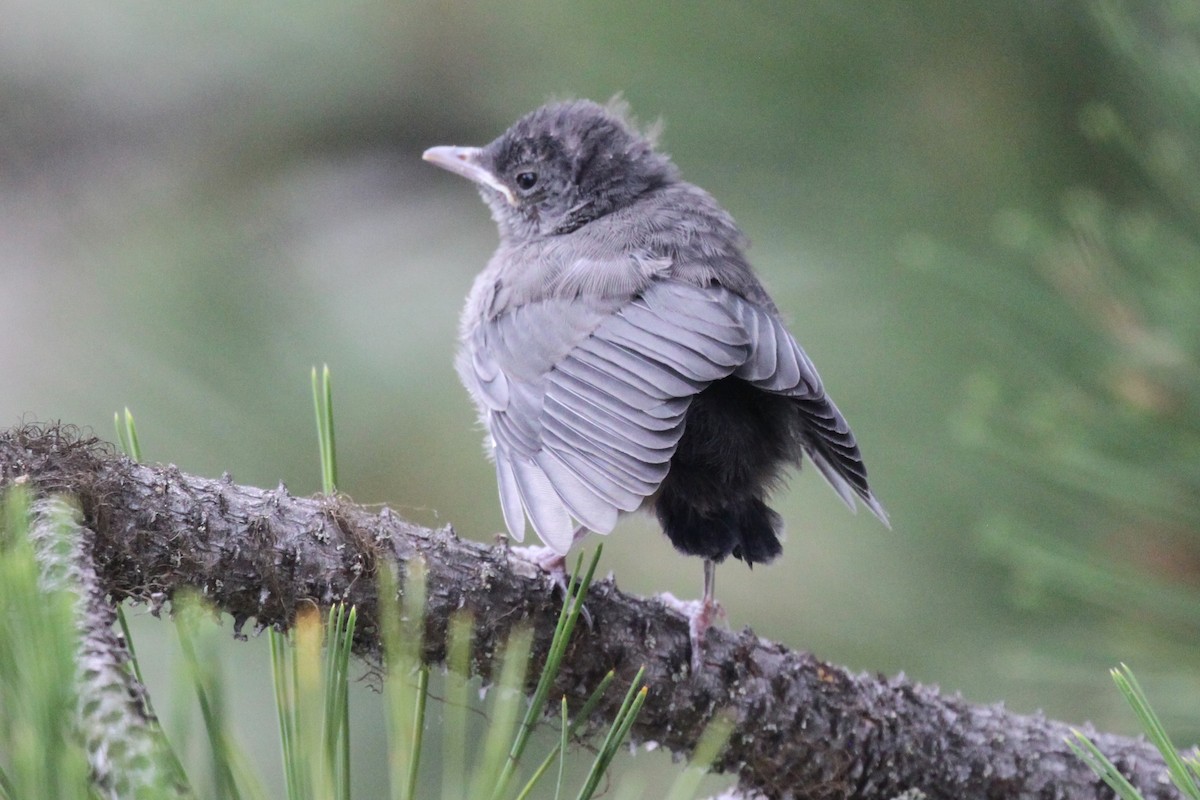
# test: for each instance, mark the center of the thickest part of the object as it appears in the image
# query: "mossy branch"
(802, 728)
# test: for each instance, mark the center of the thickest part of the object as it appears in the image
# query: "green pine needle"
(1083, 747)
(1184, 772)
(1181, 774)
(312, 701)
(208, 688)
(716, 735)
(565, 731)
(581, 718)
(42, 757)
(617, 732)
(454, 725)
(323, 405)
(567, 618)
(340, 634)
(402, 628)
(284, 704)
(508, 693)
(418, 731)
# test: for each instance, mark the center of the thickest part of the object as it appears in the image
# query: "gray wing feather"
(510, 499)
(622, 488)
(761, 363)
(586, 414)
(491, 382)
(688, 356)
(710, 344)
(661, 417)
(515, 426)
(625, 386)
(543, 505)
(629, 366)
(583, 500)
(777, 364)
(833, 477)
(607, 430)
(638, 474)
(590, 428)
(709, 308)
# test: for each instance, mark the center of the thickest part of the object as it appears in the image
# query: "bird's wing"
(779, 365)
(586, 406)
(585, 410)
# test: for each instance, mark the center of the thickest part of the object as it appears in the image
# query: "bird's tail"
(845, 473)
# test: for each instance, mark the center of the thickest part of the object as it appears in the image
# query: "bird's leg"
(554, 564)
(700, 622)
(700, 613)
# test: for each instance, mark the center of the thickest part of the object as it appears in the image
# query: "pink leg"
(700, 613)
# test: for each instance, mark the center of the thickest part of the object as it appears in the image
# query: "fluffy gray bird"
(623, 355)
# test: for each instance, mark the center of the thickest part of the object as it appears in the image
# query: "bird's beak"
(464, 161)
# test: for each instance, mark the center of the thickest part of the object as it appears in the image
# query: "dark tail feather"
(748, 530)
(760, 527)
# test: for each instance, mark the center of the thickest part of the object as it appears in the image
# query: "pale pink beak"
(464, 161)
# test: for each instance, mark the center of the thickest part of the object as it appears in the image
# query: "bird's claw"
(554, 564)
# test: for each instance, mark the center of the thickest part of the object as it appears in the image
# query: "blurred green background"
(981, 219)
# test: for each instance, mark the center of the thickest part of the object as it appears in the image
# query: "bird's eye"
(526, 180)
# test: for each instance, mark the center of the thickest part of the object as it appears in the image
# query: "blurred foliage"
(1106, 410)
(980, 218)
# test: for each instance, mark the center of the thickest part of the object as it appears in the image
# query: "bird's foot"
(554, 564)
(700, 614)
(549, 561)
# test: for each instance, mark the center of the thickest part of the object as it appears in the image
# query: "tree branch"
(125, 747)
(804, 729)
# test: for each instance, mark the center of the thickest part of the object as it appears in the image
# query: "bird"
(623, 355)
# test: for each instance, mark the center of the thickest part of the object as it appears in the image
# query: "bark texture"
(125, 746)
(804, 728)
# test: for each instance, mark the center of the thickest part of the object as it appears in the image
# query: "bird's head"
(559, 167)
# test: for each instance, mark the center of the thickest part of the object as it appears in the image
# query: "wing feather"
(625, 493)
(607, 430)
(642, 475)
(658, 415)
(510, 499)
(586, 417)
(628, 365)
(543, 505)
(627, 387)
(583, 500)
(586, 414)
(779, 365)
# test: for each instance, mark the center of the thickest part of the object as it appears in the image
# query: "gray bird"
(623, 355)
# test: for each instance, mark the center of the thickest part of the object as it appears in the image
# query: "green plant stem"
(210, 706)
(564, 731)
(715, 736)
(281, 674)
(418, 731)
(621, 724)
(567, 618)
(454, 728)
(580, 718)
